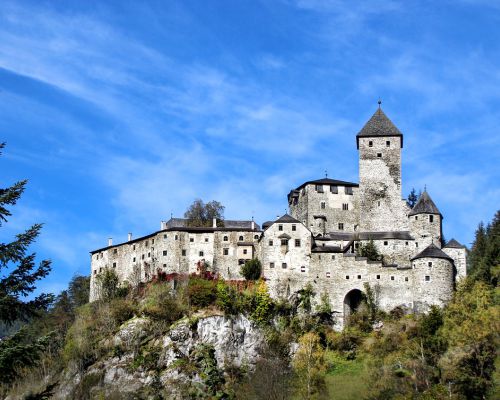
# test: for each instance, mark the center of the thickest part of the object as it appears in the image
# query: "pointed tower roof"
(432, 251)
(379, 125)
(424, 205)
(454, 244)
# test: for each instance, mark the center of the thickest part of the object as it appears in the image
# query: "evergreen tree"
(251, 270)
(412, 198)
(20, 268)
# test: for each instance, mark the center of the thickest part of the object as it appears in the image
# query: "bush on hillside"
(251, 270)
(201, 292)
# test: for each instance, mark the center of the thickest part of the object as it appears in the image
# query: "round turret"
(433, 278)
(426, 222)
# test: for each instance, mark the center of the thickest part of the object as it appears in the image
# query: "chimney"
(214, 223)
(129, 236)
(163, 225)
(253, 225)
(110, 242)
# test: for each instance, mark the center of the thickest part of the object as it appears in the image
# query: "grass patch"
(346, 379)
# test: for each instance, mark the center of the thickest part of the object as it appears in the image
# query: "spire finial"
(379, 103)
(326, 173)
(171, 215)
(425, 187)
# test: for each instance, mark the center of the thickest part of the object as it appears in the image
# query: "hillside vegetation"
(192, 337)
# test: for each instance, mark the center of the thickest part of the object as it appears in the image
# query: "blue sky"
(122, 113)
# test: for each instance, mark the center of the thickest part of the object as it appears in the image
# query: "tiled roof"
(432, 251)
(424, 205)
(401, 235)
(379, 125)
(228, 223)
(323, 181)
(454, 244)
(287, 219)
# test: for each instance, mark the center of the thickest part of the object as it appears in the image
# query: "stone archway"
(352, 300)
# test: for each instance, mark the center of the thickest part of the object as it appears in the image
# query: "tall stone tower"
(379, 144)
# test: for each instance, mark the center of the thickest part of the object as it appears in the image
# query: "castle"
(318, 242)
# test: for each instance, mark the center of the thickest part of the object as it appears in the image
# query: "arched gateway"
(352, 300)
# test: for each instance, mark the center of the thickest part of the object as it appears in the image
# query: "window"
(334, 189)
(302, 269)
(114, 265)
(347, 276)
(416, 217)
(146, 244)
(416, 244)
(429, 263)
(100, 270)
(95, 271)
(323, 205)
(142, 257)
(431, 218)
(359, 276)
(152, 241)
(225, 251)
(206, 240)
(370, 144)
(392, 278)
(165, 266)
(270, 243)
(406, 279)
(378, 276)
(328, 275)
(294, 228)
(200, 254)
(341, 226)
(284, 242)
(176, 237)
(297, 242)
(283, 265)
(164, 236)
(271, 265)
(115, 251)
(406, 243)
(164, 252)
(133, 247)
(149, 255)
(280, 227)
(225, 239)
(386, 243)
(245, 251)
(319, 188)
(333, 257)
(387, 143)
(427, 278)
(345, 206)
(133, 259)
(191, 239)
(183, 252)
(348, 190)
(379, 155)
(240, 238)
(256, 237)
(241, 261)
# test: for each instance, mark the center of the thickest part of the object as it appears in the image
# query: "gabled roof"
(432, 251)
(228, 223)
(379, 125)
(424, 205)
(454, 244)
(287, 219)
(323, 181)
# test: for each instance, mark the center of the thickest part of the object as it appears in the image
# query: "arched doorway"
(352, 300)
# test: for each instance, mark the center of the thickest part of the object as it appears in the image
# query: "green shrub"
(201, 292)
(228, 299)
(160, 304)
(264, 305)
(122, 310)
(251, 270)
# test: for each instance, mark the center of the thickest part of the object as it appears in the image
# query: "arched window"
(241, 239)
(225, 239)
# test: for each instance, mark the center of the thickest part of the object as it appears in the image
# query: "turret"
(426, 222)
(433, 278)
(458, 252)
(379, 144)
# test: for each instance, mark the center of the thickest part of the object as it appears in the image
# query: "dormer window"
(348, 190)
(319, 188)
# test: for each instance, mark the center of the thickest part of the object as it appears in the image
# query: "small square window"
(225, 252)
(165, 236)
(165, 266)
(370, 144)
(280, 227)
(406, 243)
(115, 251)
(271, 265)
(114, 265)
(388, 143)
(225, 239)
(176, 237)
(297, 242)
(378, 276)
(359, 276)
(328, 275)
(191, 240)
(183, 252)
(294, 228)
(341, 226)
(347, 276)
(164, 252)
(240, 238)
(416, 217)
(427, 278)
(284, 242)
(95, 271)
(206, 240)
(406, 279)
(270, 243)
(241, 261)
(333, 257)
(392, 278)
(283, 265)
(379, 155)
(256, 237)
(429, 263)
(200, 254)
(386, 243)
(245, 251)
(302, 269)
(431, 218)
(345, 206)
(323, 205)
